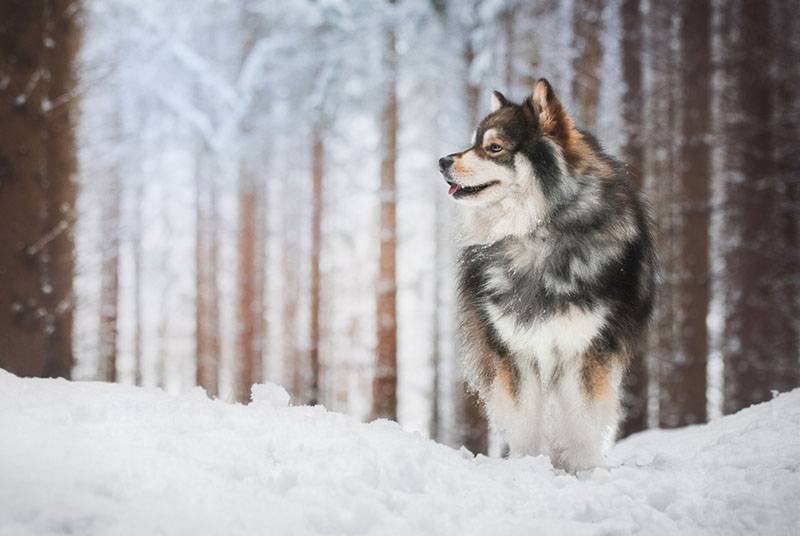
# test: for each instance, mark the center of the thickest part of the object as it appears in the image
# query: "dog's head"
(501, 160)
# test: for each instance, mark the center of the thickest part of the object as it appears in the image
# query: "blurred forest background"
(226, 192)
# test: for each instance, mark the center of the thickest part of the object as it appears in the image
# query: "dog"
(556, 278)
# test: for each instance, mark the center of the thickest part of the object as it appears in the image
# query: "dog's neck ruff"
(478, 229)
(514, 215)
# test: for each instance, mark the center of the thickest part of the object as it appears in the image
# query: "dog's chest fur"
(532, 308)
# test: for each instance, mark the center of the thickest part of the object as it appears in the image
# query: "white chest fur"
(549, 342)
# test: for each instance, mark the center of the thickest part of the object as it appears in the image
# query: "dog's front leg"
(516, 410)
(586, 402)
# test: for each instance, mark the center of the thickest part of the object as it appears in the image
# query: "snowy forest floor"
(96, 458)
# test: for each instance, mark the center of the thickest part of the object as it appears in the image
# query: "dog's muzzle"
(445, 162)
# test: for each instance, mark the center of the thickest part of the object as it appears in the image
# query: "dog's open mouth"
(457, 190)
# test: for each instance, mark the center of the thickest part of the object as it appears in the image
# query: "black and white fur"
(556, 278)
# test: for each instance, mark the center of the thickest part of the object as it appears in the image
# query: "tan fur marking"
(596, 373)
(459, 166)
(581, 158)
(482, 359)
(595, 378)
(504, 381)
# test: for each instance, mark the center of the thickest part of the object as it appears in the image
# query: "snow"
(96, 458)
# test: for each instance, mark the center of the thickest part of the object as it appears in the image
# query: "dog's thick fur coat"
(556, 278)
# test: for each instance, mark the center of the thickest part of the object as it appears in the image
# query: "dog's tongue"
(453, 188)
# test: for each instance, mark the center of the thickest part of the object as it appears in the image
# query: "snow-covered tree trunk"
(317, 176)
(384, 387)
(206, 349)
(247, 353)
(110, 266)
(252, 226)
(214, 332)
(138, 283)
(166, 288)
(294, 360)
(440, 427)
(474, 426)
(260, 331)
(440, 269)
(38, 44)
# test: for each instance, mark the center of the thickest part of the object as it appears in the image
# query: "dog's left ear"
(498, 101)
(547, 109)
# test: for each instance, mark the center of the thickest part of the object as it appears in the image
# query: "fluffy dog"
(556, 277)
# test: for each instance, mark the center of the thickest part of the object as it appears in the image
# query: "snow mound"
(95, 458)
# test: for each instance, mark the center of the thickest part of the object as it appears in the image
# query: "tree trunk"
(760, 325)
(508, 16)
(384, 386)
(247, 310)
(206, 342)
(215, 341)
(260, 286)
(434, 426)
(162, 335)
(252, 251)
(109, 272)
(317, 169)
(293, 359)
(38, 45)
(587, 22)
(439, 268)
(138, 328)
(166, 286)
(200, 278)
(474, 426)
(635, 381)
(440, 428)
(686, 385)
(787, 166)
(662, 110)
(472, 92)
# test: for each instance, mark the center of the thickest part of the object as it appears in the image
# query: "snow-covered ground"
(95, 458)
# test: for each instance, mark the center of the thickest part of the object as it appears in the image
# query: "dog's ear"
(547, 109)
(498, 101)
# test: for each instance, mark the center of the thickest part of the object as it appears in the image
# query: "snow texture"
(96, 458)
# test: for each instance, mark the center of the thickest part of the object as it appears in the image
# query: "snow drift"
(95, 458)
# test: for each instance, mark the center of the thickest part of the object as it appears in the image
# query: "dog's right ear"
(553, 119)
(498, 101)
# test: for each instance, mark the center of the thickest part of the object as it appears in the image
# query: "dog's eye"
(494, 148)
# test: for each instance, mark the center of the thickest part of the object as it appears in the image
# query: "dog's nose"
(445, 162)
